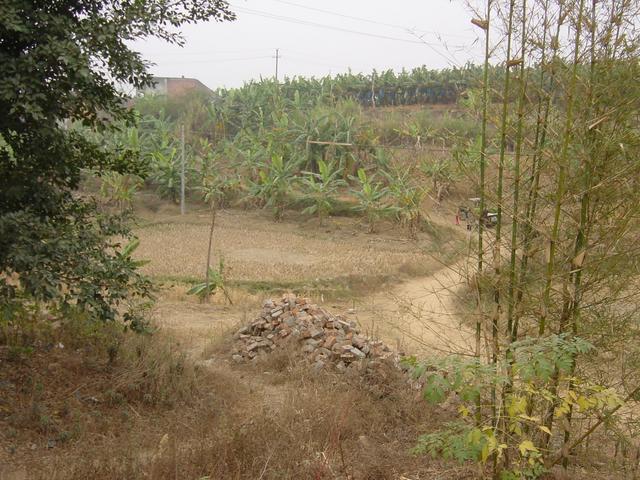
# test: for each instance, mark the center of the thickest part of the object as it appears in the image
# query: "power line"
(298, 21)
(304, 58)
(218, 60)
(360, 19)
(212, 52)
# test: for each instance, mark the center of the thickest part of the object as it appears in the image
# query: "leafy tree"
(61, 63)
(71, 261)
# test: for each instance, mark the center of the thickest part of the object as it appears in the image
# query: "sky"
(318, 38)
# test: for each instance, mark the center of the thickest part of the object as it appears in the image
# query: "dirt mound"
(327, 340)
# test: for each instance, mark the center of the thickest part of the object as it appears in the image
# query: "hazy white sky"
(320, 37)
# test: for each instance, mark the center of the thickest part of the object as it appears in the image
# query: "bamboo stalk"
(483, 161)
(503, 140)
(513, 276)
(497, 254)
(581, 240)
(542, 122)
(559, 195)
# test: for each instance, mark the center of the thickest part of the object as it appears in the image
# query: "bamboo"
(542, 123)
(513, 279)
(497, 254)
(503, 140)
(559, 195)
(483, 161)
(581, 240)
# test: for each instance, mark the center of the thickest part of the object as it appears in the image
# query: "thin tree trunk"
(214, 211)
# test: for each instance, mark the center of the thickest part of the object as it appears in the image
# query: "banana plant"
(128, 251)
(204, 158)
(407, 197)
(119, 189)
(166, 174)
(413, 131)
(274, 184)
(215, 281)
(321, 188)
(370, 196)
(442, 175)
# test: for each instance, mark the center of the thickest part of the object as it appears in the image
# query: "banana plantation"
(304, 144)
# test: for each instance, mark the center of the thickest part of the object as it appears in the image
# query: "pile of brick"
(327, 340)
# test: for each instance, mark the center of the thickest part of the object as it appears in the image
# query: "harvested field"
(255, 248)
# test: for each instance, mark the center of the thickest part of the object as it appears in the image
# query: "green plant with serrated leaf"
(522, 431)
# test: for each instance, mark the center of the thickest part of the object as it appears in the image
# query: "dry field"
(255, 248)
(398, 290)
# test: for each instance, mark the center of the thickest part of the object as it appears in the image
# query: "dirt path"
(418, 316)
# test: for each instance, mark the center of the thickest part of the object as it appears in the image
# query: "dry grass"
(255, 248)
(110, 405)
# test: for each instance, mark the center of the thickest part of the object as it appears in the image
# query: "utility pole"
(182, 203)
(373, 89)
(277, 58)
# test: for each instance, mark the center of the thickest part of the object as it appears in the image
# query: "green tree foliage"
(61, 64)
(71, 261)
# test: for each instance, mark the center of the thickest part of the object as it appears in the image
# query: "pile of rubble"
(326, 339)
